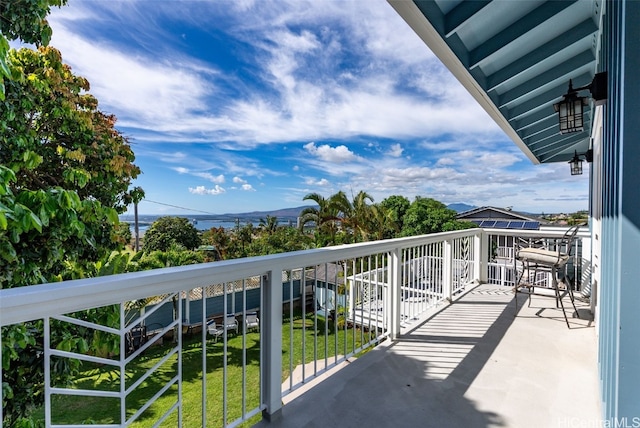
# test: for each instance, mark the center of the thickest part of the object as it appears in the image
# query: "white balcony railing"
(316, 308)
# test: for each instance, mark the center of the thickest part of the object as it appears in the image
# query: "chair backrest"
(567, 240)
(251, 318)
(230, 320)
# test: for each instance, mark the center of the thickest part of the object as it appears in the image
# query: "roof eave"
(430, 36)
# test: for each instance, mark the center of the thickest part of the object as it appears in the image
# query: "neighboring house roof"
(330, 273)
(499, 218)
(493, 213)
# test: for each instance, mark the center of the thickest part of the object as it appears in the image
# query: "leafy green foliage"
(174, 256)
(327, 218)
(64, 176)
(53, 134)
(65, 171)
(167, 231)
(25, 20)
(219, 238)
(123, 234)
(398, 206)
(338, 220)
(268, 238)
(282, 240)
(426, 215)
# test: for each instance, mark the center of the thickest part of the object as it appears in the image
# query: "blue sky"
(241, 105)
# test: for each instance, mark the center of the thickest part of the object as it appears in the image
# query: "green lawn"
(68, 410)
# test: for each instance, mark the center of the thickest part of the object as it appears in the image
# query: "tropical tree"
(339, 220)
(53, 134)
(269, 226)
(175, 255)
(64, 176)
(382, 223)
(358, 216)
(167, 231)
(283, 240)
(245, 235)
(398, 206)
(122, 234)
(427, 215)
(219, 238)
(24, 20)
(325, 217)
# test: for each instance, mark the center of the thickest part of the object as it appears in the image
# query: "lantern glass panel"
(576, 167)
(571, 115)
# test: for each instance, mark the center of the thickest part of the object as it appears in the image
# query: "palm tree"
(355, 215)
(270, 225)
(337, 212)
(361, 216)
(382, 223)
(220, 239)
(245, 235)
(325, 218)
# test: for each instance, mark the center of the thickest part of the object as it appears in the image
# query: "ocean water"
(208, 224)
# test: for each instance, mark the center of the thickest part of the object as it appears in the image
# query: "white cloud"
(498, 160)
(396, 150)
(219, 179)
(145, 92)
(174, 157)
(303, 42)
(208, 176)
(323, 182)
(335, 73)
(248, 188)
(446, 161)
(308, 95)
(202, 190)
(339, 154)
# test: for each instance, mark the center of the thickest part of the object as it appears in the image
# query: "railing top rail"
(34, 302)
(37, 301)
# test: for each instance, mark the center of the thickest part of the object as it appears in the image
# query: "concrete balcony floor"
(473, 364)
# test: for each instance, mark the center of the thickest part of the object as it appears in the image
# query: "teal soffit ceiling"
(516, 59)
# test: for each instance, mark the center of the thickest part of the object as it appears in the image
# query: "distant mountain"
(284, 213)
(460, 207)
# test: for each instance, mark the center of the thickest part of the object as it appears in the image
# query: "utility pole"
(135, 227)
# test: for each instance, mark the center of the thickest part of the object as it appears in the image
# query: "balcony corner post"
(447, 274)
(481, 256)
(271, 344)
(395, 291)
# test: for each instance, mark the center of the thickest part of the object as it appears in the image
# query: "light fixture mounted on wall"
(576, 163)
(571, 108)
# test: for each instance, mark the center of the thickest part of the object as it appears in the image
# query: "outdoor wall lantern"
(576, 163)
(571, 109)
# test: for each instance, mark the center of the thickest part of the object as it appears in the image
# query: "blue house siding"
(619, 324)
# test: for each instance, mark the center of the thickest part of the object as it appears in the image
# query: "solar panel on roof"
(508, 224)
